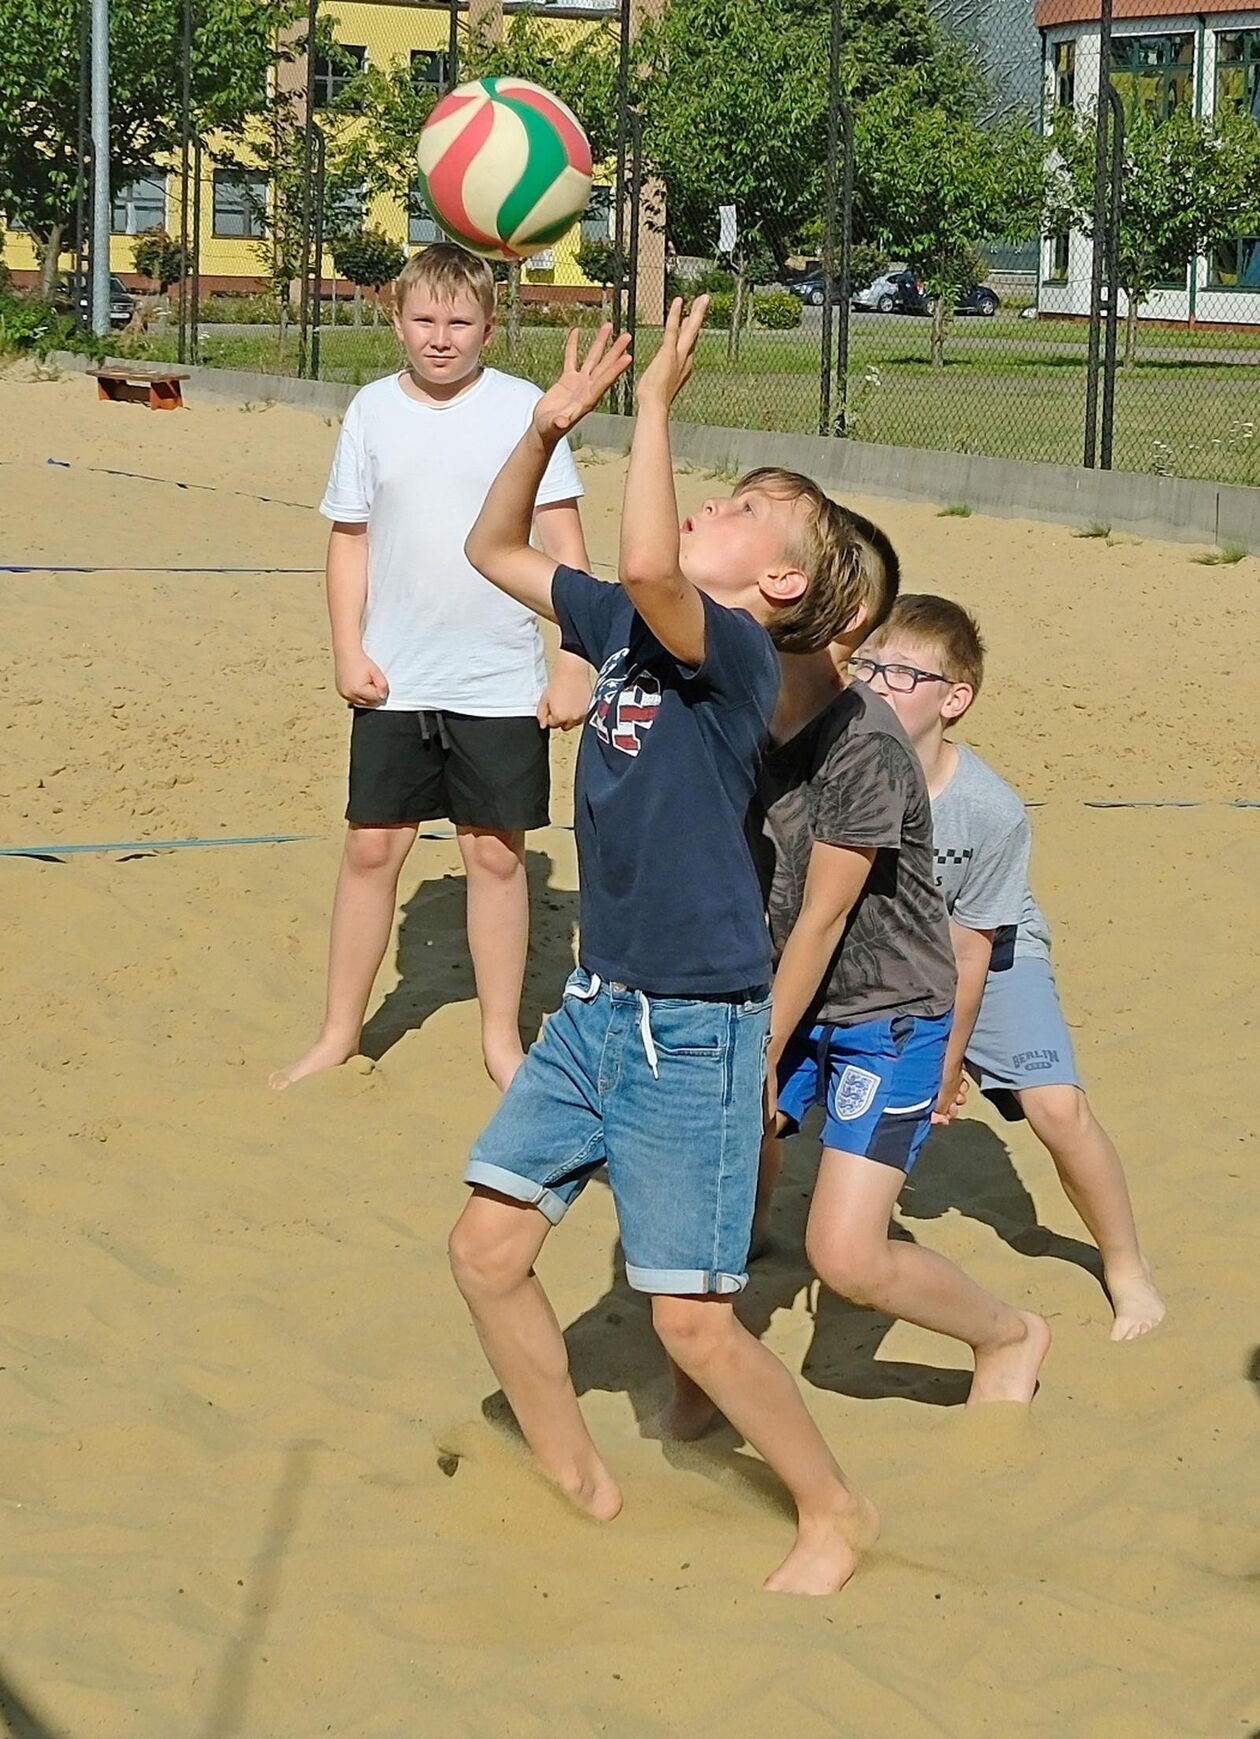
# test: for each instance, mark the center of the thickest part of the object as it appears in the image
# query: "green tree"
(236, 44)
(368, 258)
(579, 67)
(940, 184)
(158, 257)
(1188, 183)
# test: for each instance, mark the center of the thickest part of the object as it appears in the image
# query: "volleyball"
(505, 167)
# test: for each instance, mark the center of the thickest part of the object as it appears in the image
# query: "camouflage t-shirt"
(851, 777)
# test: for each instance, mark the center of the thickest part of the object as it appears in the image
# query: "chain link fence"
(913, 230)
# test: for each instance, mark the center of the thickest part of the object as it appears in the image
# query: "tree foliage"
(368, 258)
(235, 45)
(940, 184)
(1188, 183)
(158, 257)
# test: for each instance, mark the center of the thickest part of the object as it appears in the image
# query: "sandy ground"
(247, 1486)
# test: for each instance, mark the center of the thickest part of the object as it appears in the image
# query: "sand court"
(253, 1477)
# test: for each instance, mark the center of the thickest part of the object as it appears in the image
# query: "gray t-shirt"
(983, 844)
(851, 777)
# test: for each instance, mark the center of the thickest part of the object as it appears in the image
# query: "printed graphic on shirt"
(624, 703)
(951, 855)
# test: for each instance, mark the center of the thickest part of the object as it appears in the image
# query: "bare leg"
(498, 940)
(493, 1249)
(744, 1380)
(1093, 1180)
(362, 923)
(849, 1249)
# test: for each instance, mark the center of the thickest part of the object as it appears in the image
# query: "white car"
(881, 296)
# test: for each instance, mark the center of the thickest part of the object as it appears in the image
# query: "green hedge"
(777, 310)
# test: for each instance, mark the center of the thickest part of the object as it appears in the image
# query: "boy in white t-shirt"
(445, 674)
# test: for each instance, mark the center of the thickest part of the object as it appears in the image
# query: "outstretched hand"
(582, 383)
(670, 369)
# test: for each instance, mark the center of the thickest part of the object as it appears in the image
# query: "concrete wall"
(1147, 506)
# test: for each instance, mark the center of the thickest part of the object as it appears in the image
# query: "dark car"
(910, 296)
(808, 286)
(122, 304)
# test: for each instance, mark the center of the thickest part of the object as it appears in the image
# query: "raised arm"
(648, 567)
(498, 545)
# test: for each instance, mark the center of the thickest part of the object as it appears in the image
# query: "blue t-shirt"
(670, 900)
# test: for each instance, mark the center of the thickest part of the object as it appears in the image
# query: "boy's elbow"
(644, 577)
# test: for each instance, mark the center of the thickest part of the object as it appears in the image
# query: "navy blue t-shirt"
(670, 900)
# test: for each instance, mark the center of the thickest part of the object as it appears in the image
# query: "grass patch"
(1097, 529)
(1226, 557)
(958, 510)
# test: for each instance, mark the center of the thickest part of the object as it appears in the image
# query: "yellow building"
(384, 33)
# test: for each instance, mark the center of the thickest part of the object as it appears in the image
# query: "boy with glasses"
(1009, 1033)
(864, 996)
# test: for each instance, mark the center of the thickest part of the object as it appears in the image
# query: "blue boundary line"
(176, 483)
(149, 845)
(127, 568)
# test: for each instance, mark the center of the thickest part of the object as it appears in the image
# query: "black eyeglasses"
(901, 678)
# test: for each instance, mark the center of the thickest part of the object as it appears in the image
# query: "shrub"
(714, 281)
(159, 258)
(368, 257)
(597, 260)
(777, 310)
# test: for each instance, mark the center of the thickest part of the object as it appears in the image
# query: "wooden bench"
(141, 385)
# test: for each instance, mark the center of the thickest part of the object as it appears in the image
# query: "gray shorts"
(1021, 1038)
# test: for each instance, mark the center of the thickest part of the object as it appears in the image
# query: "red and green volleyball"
(505, 167)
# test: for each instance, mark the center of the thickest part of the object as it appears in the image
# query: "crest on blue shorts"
(853, 1092)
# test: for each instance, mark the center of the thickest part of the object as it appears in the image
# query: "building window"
(597, 219)
(1060, 247)
(140, 205)
(430, 69)
(1238, 71)
(1065, 75)
(335, 71)
(421, 228)
(240, 203)
(1235, 265)
(1154, 73)
(345, 211)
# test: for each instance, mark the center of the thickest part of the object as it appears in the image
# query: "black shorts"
(424, 766)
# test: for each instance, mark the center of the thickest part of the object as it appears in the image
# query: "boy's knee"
(690, 1329)
(854, 1268)
(1058, 1114)
(372, 850)
(482, 1266)
(496, 856)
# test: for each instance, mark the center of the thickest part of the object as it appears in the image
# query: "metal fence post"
(1116, 106)
(636, 216)
(193, 265)
(1102, 110)
(308, 176)
(101, 202)
(321, 167)
(82, 190)
(831, 201)
(185, 141)
(620, 401)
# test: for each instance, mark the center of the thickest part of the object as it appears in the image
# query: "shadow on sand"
(433, 964)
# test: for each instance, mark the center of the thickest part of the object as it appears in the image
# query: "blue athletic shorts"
(879, 1081)
(1021, 1038)
(669, 1093)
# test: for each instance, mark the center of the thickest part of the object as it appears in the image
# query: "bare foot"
(1136, 1302)
(502, 1062)
(685, 1417)
(827, 1550)
(1009, 1372)
(325, 1053)
(595, 1492)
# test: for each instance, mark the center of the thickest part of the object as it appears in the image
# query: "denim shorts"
(1021, 1038)
(668, 1092)
(879, 1081)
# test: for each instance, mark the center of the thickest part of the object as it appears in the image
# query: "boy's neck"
(809, 684)
(939, 759)
(441, 392)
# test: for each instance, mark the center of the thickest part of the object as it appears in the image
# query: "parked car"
(122, 304)
(809, 286)
(881, 296)
(910, 296)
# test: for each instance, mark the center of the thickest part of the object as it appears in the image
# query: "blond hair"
(447, 271)
(945, 628)
(849, 562)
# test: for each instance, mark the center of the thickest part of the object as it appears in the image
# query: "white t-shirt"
(417, 476)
